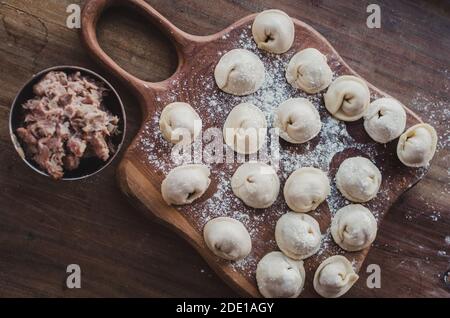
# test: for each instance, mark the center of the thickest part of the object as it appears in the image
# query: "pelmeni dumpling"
(257, 184)
(334, 277)
(385, 119)
(298, 120)
(227, 238)
(416, 147)
(278, 276)
(347, 98)
(354, 227)
(306, 188)
(184, 184)
(239, 72)
(273, 31)
(245, 129)
(298, 235)
(358, 179)
(179, 122)
(308, 70)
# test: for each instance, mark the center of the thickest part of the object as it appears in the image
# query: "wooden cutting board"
(148, 158)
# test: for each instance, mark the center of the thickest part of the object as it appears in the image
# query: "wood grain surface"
(44, 225)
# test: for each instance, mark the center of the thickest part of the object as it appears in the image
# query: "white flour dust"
(333, 139)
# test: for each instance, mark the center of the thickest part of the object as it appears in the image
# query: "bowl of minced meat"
(67, 123)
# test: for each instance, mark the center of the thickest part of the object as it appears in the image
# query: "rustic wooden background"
(45, 225)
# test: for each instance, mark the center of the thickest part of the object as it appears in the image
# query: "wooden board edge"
(149, 201)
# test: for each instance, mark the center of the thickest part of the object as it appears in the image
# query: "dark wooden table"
(45, 225)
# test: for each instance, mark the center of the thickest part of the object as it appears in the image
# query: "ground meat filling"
(66, 122)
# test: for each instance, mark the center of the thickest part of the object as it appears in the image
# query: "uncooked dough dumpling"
(298, 235)
(227, 238)
(278, 276)
(298, 120)
(354, 227)
(385, 119)
(239, 72)
(347, 98)
(245, 129)
(416, 147)
(358, 179)
(334, 277)
(273, 31)
(308, 70)
(179, 122)
(257, 184)
(184, 184)
(306, 188)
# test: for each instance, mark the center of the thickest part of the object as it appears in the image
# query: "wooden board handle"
(93, 10)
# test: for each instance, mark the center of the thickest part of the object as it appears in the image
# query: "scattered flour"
(320, 152)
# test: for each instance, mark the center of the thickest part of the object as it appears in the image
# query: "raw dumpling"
(353, 227)
(257, 184)
(385, 119)
(278, 276)
(308, 70)
(416, 147)
(239, 72)
(334, 277)
(298, 120)
(227, 238)
(184, 184)
(306, 188)
(347, 98)
(358, 179)
(298, 235)
(180, 120)
(273, 31)
(245, 129)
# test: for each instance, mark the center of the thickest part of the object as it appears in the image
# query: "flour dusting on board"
(334, 139)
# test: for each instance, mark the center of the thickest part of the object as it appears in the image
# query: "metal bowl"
(88, 166)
